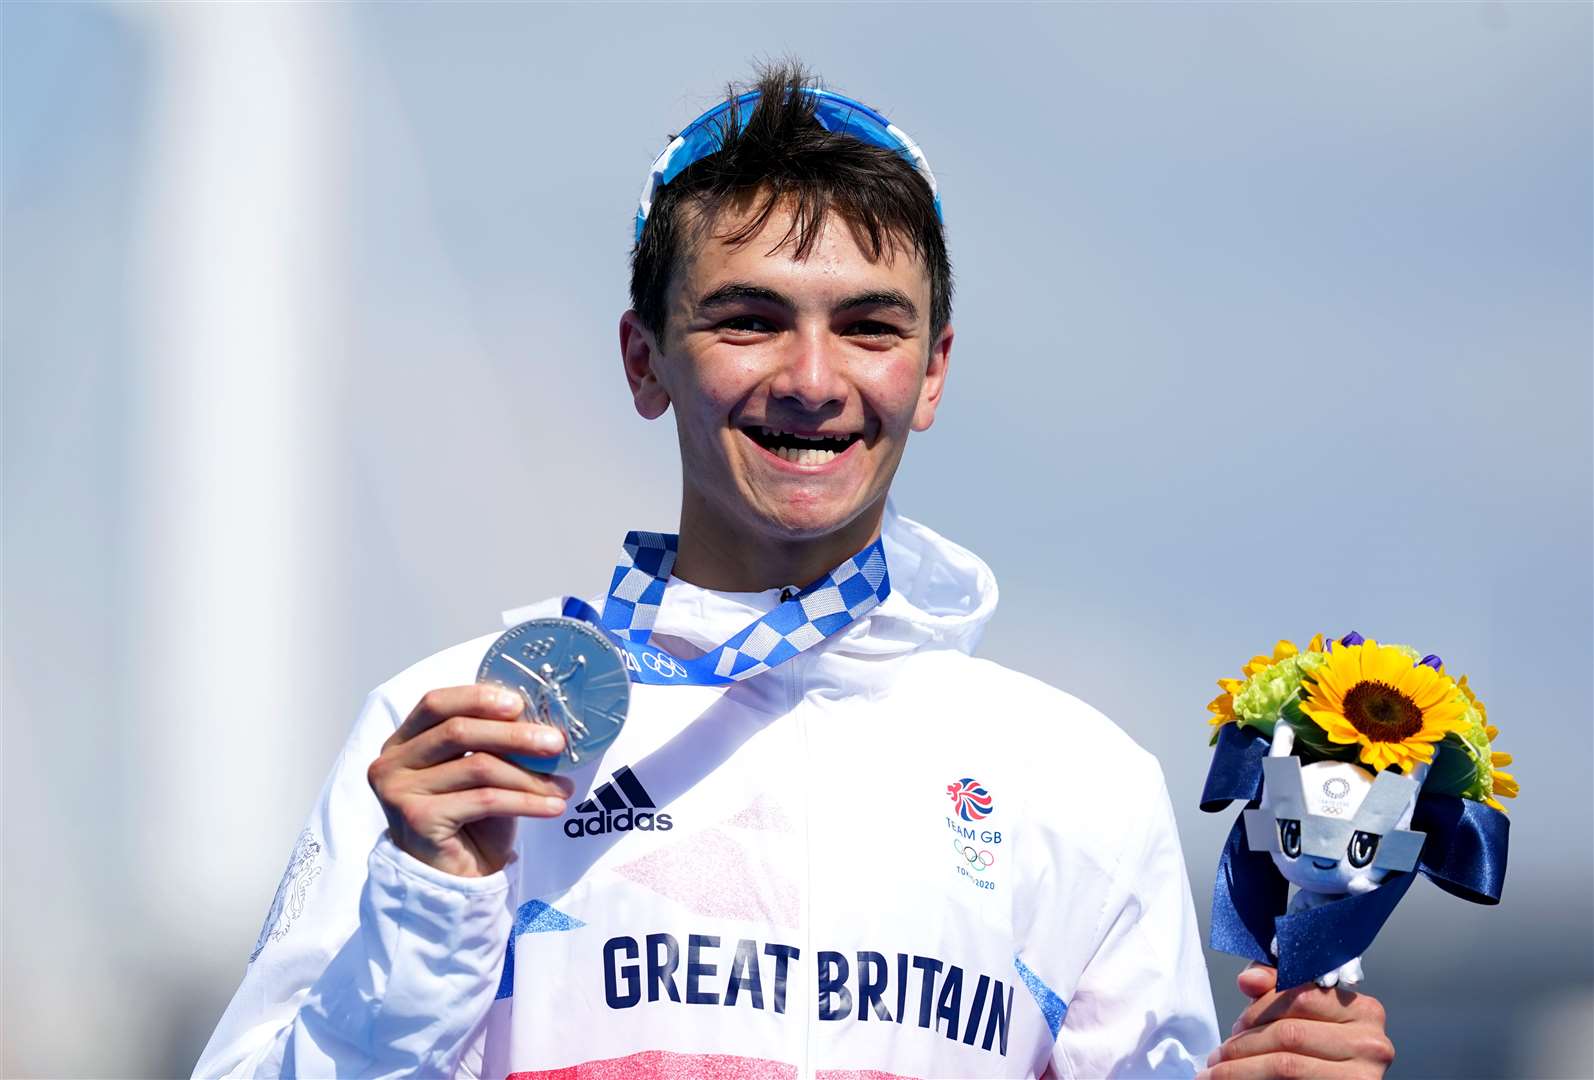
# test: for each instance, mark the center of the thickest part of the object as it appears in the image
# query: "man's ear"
(639, 354)
(934, 380)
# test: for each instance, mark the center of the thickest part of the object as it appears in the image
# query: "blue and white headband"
(703, 137)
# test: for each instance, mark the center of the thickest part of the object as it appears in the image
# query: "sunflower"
(1222, 706)
(1472, 699)
(1502, 785)
(1373, 696)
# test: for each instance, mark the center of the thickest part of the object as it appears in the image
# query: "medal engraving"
(570, 677)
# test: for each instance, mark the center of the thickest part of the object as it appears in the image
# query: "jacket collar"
(942, 596)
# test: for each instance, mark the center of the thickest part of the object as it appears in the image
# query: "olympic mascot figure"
(1334, 829)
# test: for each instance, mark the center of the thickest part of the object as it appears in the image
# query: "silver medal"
(571, 677)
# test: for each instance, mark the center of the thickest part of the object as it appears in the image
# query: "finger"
(1257, 979)
(471, 734)
(1274, 1066)
(458, 808)
(483, 770)
(1307, 1038)
(479, 699)
(1309, 1002)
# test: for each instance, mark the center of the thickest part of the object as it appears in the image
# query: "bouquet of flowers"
(1360, 763)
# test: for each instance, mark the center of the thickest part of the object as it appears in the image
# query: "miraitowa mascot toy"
(1361, 765)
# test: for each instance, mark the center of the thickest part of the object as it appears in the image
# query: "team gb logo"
(973, 802)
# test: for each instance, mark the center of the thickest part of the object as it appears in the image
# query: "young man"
(838, 845)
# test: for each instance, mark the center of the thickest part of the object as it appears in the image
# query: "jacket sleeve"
(1142, 1006)
(370, 962)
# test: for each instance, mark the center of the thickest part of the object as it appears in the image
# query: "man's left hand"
(1307, 1031)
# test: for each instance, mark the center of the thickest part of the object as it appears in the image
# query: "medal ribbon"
(1464, 854)
(827, 606)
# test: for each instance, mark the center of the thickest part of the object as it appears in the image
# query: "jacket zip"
(794, 696)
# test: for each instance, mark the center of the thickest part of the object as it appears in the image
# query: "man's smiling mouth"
(801, 448)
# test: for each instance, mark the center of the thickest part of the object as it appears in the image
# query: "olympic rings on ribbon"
(663, 664)
(979, 860)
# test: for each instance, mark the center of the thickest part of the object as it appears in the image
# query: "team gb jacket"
(881, 858)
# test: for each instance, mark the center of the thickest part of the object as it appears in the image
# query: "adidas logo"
(620, 805)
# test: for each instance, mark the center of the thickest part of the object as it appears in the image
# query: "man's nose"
(812, 372)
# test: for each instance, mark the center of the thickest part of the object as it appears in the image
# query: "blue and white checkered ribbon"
(829, 605)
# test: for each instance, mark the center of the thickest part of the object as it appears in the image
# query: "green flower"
(1262, 699)
(1464, 765)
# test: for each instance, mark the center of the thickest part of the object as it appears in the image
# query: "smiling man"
(828, 841)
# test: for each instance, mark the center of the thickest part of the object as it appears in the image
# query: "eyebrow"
(886, 298)
(739, 291)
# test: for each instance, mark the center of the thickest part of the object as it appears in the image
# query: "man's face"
(795, 382)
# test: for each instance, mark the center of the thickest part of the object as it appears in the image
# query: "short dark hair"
(781, 151)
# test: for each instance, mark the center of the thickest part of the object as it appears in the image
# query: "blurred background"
(1271, 320)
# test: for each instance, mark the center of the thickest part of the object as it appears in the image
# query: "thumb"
(1256, 980)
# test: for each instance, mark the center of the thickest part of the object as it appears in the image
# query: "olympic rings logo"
(979, 860)
(663, 664)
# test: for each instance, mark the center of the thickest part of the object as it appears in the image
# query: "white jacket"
(884, 857)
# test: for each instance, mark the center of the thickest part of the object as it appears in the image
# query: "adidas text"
(623, 821)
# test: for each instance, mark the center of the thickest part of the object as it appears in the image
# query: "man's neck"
(713, 556)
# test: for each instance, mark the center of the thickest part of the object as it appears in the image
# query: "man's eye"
(746, 324)
(873, 328)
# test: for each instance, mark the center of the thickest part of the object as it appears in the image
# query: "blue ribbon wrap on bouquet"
(1464, 853)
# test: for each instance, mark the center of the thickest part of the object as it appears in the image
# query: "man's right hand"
(451, 800)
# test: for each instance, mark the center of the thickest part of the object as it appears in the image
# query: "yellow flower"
(1373, 696)
(1483, 713)
(1222, 706)
(1503, 784)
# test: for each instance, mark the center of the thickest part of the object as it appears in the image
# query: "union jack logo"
(973, 802)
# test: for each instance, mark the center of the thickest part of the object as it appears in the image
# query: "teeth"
(771, 433)
(804, 456)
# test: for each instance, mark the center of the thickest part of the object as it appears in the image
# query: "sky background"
(1270, 320)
